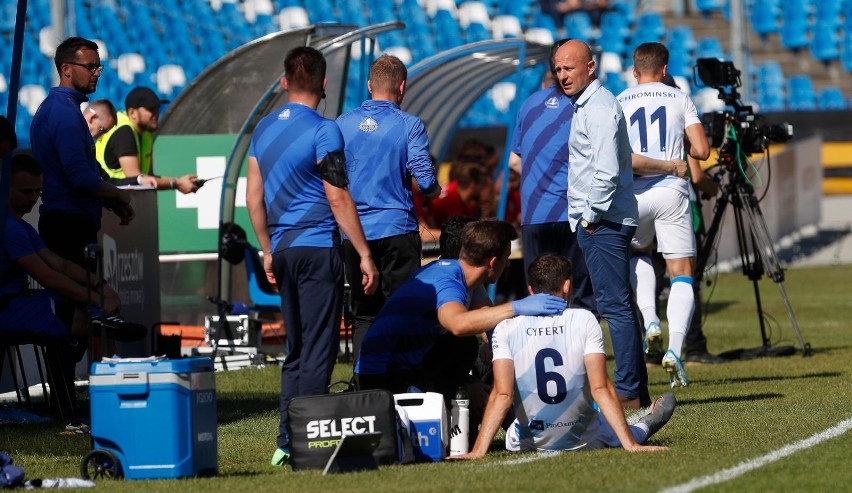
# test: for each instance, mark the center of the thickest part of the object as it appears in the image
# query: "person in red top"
(460, 197)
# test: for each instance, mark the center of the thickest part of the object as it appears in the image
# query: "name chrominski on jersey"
(649, 94)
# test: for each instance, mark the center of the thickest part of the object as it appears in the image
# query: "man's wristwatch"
(584, 223)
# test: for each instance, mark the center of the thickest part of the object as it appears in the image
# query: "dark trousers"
(397, 258)
(607, 256)
(310, 281)
(557, 238)
(67, 235)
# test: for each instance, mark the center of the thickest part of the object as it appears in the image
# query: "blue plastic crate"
(157, 417)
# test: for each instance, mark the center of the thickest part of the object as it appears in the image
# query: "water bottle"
(460, 422)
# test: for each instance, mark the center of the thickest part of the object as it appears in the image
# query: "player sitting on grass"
(558, 364)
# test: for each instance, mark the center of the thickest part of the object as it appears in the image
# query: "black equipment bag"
(317, 422)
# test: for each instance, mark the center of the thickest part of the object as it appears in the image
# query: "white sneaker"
(674, 367)
(653, 343)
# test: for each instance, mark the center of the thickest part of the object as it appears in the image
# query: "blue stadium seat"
(831, 98)
(615, 22)
(846, 50)
(764, 17)
(626, 7)
(828, 12)
(321, 11)
(546, 22)
(578, 25)
(447, 32)
(770, 74)
(710, 47)
(771, 100)
(518, 8)
(825, 42)
(680, 60)
(794, 29)
(352, 11)
(615, 83)
(651, 25)
(800, 93)
(707, 7)
(8, 13)
(682, 37)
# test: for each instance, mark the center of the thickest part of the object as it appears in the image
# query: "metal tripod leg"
(772, 265)
(764, 259)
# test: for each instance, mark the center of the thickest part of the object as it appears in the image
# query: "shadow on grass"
(233, 408)
(717, 306)
(730, 398)
(772, 378)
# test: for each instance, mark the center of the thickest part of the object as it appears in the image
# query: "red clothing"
(447, 205)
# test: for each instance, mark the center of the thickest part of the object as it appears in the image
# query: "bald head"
(575, 68)
(100, 116)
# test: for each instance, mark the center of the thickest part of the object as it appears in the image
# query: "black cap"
(142, 97)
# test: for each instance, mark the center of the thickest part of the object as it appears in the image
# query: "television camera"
(737, 134)
(740, 129)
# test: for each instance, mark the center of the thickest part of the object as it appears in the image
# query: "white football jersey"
(553, 404)
(657, 116)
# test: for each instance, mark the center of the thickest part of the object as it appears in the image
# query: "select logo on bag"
(329, 431)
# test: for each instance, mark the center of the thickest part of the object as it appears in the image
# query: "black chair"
(52, 383)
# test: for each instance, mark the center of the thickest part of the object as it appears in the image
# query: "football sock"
(679, 311)
(644, 282)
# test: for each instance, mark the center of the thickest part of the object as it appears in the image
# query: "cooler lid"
(139, 365)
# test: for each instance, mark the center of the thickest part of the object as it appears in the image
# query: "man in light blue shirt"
(540, 155)
(385, 148)
(601, 201)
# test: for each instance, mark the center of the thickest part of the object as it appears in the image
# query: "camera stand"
(758, 257)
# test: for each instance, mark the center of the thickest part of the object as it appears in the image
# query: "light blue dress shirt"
(600, 178)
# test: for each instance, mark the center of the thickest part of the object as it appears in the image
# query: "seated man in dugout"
(30, 312)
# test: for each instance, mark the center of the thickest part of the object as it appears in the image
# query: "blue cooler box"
(157, 417)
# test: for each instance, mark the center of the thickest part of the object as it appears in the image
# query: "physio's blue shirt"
(64, 147)
(407, 326)
(287, 145)
(385, 148)
(541, 139)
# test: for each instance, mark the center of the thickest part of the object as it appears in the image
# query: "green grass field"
(732, 413)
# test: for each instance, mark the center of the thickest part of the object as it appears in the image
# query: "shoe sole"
(654, 346)
(677, 376)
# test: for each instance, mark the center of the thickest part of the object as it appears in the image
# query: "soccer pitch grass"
(741, 412)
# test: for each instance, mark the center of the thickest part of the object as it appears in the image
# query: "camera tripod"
(757, 254)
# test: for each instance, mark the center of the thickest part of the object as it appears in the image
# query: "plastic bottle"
(460, 422)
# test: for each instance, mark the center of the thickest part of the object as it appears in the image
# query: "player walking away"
(658, 117)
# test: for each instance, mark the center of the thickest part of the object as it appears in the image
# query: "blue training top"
(287, 145)
(21, 240)
(541, 139)
(64, 147)
(385, 148)
(407, 326)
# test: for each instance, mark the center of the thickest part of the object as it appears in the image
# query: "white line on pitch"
(523, 460)
(738, 470)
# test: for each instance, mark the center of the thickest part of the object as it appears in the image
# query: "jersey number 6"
(543, 377)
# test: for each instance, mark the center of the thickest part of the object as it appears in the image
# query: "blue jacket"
(64, 147)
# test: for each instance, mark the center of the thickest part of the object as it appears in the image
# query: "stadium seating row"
(166, 43)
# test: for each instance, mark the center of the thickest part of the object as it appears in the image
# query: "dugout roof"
(442, 88)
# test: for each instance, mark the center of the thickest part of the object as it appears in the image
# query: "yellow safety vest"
(144, 143)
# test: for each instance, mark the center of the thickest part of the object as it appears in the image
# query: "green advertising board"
(190, 223)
